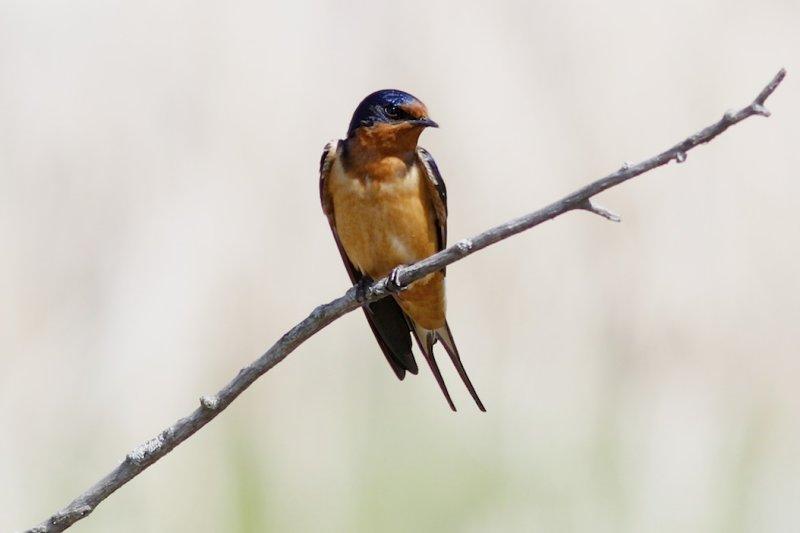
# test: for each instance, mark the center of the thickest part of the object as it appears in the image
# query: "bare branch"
(210, 406)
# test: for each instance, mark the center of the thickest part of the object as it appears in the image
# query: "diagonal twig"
(210, 406)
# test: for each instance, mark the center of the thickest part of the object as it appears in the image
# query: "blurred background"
(160, 227)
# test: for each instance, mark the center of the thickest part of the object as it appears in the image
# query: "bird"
(386, 203)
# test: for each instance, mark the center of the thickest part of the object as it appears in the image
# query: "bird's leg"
(393, 285)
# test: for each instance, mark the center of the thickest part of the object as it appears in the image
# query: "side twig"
(210, 406)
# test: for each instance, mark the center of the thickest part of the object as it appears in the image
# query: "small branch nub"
(588, 205)
(210, 402)
(144, 451)
(464, 245)
(759, 109)
(72, 515)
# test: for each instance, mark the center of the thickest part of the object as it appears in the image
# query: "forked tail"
(426, 338)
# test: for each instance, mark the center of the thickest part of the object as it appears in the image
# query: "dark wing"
(386, 319)
(438, 193)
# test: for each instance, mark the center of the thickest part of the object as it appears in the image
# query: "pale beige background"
(160, 227)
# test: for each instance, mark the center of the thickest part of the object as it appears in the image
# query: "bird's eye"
(393, 111)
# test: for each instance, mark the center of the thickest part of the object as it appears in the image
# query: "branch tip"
(770, 88)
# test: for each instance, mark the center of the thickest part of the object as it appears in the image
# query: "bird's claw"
(393, 285)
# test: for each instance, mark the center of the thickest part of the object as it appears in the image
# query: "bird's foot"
(362, 287)
(393, 285)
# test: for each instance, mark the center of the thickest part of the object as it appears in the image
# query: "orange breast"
(386, 219)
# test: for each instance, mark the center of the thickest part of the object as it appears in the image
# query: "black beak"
(425, 123)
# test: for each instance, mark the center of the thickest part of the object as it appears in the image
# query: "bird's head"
(390, 113)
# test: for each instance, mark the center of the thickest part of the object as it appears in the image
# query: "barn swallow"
(386, 204)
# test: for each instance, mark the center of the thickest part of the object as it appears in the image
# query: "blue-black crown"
(374, 107)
